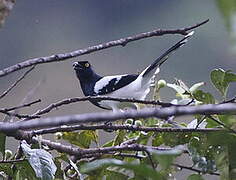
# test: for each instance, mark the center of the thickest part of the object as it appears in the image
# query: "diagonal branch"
(16, 82)
(12, 114)
(88, 50)
(208, 109)
(222, 124)
(21, 106)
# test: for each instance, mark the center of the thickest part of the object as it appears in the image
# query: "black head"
(84, 70)
(81, 65)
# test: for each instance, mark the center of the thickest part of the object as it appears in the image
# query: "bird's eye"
(87, 65)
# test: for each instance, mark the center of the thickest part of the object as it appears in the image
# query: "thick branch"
(122, 42)
(162, 113)
(121, 127)
(85, 152)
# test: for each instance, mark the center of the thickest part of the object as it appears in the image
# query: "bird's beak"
(76, 66)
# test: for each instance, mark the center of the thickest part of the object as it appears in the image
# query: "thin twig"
(200, 121)
(232, 100)
(21, 106)
(88, 50)
(12, 161)
(99, 98)
(222, 124)
(16, 82)
(20, 116)
(122, 127)
(195, 170)
(150, 159)
(162, 113)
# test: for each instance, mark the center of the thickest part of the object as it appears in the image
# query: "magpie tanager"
(134, 86)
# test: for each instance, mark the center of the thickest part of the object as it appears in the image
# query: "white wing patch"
(105, 81)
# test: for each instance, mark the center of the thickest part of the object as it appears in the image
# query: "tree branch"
(195, 170)
(222, 124)
(121, 127)
(79, 152)
(208, 109)
(16, 82)
(20, 116)
(79, 99)
(88, 50)
(12, 161)
(21, 106)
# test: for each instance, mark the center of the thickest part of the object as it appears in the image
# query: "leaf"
(177, 88)
(221, 80)
(228, 10)
(2, 144)
(141, 169)
(82, 139)
(6, 168)
(206, 98)
(24, 171)
(114, 175)
(195, 177)
(41, 161)
(108, 144)
(165, 158)
(157, 140)
(228, 120)
(196, 86)
(120, 137)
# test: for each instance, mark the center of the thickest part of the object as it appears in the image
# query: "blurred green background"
(41, 28)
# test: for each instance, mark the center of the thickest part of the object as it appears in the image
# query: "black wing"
(109, 84)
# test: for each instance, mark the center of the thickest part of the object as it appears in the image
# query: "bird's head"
(83, 69)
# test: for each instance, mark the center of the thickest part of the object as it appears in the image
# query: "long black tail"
(166, 54)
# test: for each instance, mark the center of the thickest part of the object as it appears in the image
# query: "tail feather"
(166, 55)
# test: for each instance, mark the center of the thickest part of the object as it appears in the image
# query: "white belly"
(134, 90)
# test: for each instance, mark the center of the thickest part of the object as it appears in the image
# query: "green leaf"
(6, 168)
(228, 120)
(82, 139)
(115, 175)
(227, 8)
(206, 98)
(165, 158)
(140, 169)
(195, 177)
(2, 144)
(23, 170)
(221, 80)
(41, 161)
(157, 140)
(120, 137)
(108, 143)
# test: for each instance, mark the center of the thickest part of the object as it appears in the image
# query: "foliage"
(209, 152)
(40, 160)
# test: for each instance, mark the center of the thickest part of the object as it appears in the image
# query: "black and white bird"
(135, 86)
